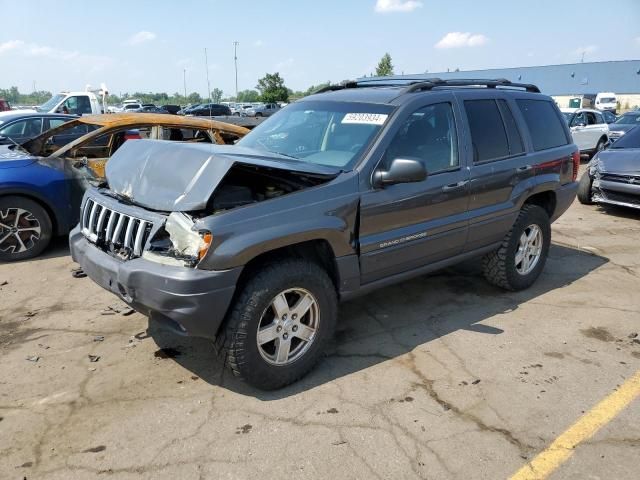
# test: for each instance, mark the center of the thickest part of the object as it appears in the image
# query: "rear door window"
(56, 122)
(544, 123)
(488, 133)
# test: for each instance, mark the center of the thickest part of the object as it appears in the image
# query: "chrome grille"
(121, 233)
(617, 177)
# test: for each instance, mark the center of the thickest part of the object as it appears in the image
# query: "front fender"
(324, 212)
(241, 249)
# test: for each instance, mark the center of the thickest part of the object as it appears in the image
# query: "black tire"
(599, 146)
(258, 114)
(238, 336)
(499, 266)
(584, 189)
(33, 215)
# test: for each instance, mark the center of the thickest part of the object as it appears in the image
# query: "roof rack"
(493, 83)
(419, 85)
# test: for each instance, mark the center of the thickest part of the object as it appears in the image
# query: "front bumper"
(188, 301)
(565, 195)
(616, 193)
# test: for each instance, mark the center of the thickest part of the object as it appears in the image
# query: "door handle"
(524, 168)
(453, 186)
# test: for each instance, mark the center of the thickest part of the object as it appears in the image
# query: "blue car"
(42, 181)
(20, 127)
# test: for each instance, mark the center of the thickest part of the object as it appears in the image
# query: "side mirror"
(401, 170)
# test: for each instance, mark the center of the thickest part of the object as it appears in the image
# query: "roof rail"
(429, 84)
(422, 84)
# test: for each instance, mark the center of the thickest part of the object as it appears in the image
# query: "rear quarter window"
(544, 123)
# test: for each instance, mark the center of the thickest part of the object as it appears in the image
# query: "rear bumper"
(565, 195)
(188, 301)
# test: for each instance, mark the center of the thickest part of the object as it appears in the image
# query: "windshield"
(326, 133)
(607, 100)
(52, 102)
(630, 140)
(629, 119)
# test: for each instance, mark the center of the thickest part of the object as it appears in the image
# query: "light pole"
(235, 61)
(184, 82)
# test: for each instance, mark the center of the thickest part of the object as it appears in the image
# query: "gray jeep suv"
(345, 191)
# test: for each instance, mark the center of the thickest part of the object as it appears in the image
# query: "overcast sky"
(145, 45)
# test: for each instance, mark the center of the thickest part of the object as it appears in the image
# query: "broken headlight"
(179, 243)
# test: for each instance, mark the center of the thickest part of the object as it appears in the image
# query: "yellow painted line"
(563, 447)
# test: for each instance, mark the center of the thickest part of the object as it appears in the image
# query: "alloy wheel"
(529, 249)
(19, 230)
(288, 326)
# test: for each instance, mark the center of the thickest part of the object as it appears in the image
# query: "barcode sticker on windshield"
(365, 118)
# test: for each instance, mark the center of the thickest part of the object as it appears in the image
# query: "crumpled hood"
(13, 157)
(181, 177)
(622, 160)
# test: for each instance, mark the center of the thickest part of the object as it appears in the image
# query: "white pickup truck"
(75, 103)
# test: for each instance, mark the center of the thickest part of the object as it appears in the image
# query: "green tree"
(194, 97)
(272, 88)
(385, 67)
(216, 95)
(248, 96)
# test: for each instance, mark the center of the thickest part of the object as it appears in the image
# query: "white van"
(606, 101)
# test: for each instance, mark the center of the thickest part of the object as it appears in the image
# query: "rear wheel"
(25, 228)
(280, 323)
(518, 262)
(584, 189)
(600, 145)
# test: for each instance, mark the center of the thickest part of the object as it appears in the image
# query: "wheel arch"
(58, 227)
(545, 199)
(319, 251)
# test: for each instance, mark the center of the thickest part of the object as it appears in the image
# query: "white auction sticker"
(365, 118)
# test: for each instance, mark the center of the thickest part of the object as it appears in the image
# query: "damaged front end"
(611, 186)
(160, 193)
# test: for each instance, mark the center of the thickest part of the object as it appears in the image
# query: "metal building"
(622, 77)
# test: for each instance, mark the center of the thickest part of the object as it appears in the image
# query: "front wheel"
(280, 323)
(25, 229)
(584, 189)
(518, 262)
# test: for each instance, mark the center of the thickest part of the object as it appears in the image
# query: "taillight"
(575, 157)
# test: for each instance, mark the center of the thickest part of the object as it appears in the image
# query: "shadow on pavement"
(622, 212)
(395, 320)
